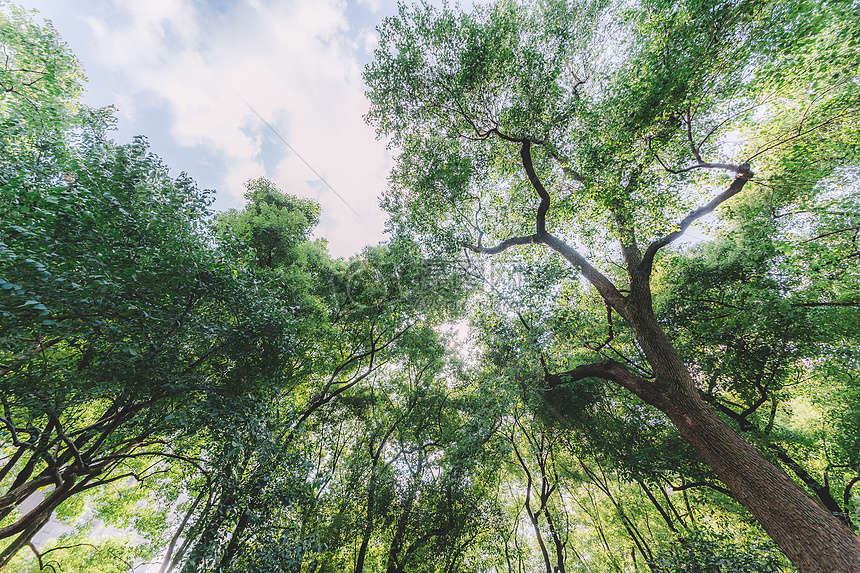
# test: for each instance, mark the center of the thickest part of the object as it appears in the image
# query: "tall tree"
(618, 120)
(124, 337)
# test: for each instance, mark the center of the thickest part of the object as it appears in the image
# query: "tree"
(124, 338)
(270, 229)
(616, 118)
(41, 82)
(350, 330)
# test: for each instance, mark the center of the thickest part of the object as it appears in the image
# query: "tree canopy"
(537, 372)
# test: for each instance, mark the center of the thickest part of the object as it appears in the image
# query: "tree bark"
(814, 539)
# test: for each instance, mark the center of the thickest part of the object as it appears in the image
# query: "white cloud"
(371, 41)
(294, 62)
(372, 5)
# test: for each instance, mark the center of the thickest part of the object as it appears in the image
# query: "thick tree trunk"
(814, 539)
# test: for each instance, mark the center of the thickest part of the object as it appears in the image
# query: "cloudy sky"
(178, 70)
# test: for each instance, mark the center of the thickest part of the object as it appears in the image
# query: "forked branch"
(614, 372)
(604, 286)
(737, 185)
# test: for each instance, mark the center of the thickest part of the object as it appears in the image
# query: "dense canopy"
(539, 371)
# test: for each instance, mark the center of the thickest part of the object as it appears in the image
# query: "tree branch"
(691, 485)
(504, 245)
(700, 165)
(744, 175)
(528, 165)
(573, 174)
(821, 236)
(614, 372)
(604, 286)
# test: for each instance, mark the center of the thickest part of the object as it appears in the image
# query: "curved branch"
(693, 148)
(604, 286)
(846, 496)
(11, 427)
(700, 165)
(540, 220)
(504, 245)
(614, 372)
(744, 175)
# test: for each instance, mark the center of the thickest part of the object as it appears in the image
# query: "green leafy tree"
(600, 132)
(124, 338)
(353, 320)
(271, 226)
(40, 86)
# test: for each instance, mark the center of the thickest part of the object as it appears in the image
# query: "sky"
(178, 71)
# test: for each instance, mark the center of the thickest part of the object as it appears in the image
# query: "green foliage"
(128, 343)
(222, 387)
(270, 228)
(40, 84)
(77, 552)
(708, 552)
(619, 119)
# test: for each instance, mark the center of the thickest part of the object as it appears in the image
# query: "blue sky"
(171, 68)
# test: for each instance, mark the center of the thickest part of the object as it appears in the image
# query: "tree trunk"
(368, 530)
(394, 565)
(814, 539)
(22, 540)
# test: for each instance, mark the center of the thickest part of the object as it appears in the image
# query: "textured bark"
(814, 539)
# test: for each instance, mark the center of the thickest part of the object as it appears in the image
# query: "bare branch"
(504, 245)
(528, 165)
(689, 121)
(800, 134)
(737, 185)
(853, 228)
